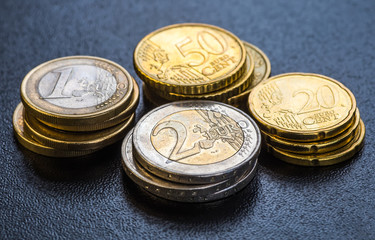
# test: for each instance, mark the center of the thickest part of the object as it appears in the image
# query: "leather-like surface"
(46, 198)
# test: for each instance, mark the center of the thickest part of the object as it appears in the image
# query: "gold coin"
(121, 117)
(76, 90)
(262, 71)
(151, 97)
(189, 58)
(329, 158)
(302, 106)
(220, 95)
(75, 140)
(323, 146)
(25, 140)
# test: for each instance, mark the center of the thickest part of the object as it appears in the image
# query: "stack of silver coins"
(192, 151)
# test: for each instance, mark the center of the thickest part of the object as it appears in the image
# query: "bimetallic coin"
(325, 159)
(32, 145)
(189, 58)
(121, 117)
(75, 140)
(167, 189)
(76, 90)
(262, 71)
(302, 106)
(220, 95)
(322, 146)
(196, 141)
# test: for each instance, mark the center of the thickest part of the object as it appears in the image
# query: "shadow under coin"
(303, 173)
(230, 208)
(83, 168)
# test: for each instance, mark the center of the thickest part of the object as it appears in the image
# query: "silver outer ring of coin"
(165, 188)
(87, 115)
(236, 187)
(155, 163)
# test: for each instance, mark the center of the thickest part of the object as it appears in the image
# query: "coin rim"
(219, 82)
(340, 155)
(71, 119)
(194, 173)
(303, 135)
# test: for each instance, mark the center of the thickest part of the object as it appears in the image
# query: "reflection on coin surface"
(76, 90)
(302, 106)
(196, 141)
(262, 71)
(189, 58)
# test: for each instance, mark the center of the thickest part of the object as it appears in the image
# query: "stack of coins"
(307, 119)
(198, 61)
(192, 151)
(73, 106)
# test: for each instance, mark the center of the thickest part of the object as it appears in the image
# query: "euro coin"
(29, 143)
(196, 141)
(329, 158)
(321, 146)
(76, 90)
(166, 189)
(262, 71)
(189, 58)
(302, 106)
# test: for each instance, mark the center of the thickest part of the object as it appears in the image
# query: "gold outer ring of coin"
(220, 95)
(326, 159)
(25, 140)
(75, 141)
(314, 147)
(303, 135)
(151, 97)
(164, 188)
(191, 88)
(57, 115)
(241, 99)
(125, 114)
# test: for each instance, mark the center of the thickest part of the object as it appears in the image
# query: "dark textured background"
(45, 198)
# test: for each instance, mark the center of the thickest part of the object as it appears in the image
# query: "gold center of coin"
(301, 102)
(197, 137)
(188, 55)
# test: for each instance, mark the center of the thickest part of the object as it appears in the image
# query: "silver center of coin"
(77, 86)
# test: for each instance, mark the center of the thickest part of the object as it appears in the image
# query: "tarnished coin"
(32, 145)
(324, 159)
(262, 71)
(76, 90)
(196, 141)
(189, 58)
(322, 146)
(167, 189)
(121, 117)
(302, 106)
(75, 140)
(221, 95)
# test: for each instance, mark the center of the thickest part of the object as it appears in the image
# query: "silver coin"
(196, 141)
(167, 189)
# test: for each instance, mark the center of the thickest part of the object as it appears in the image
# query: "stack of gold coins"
(307, 119)
(198, 61)
(73, 106)
(192, 151)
